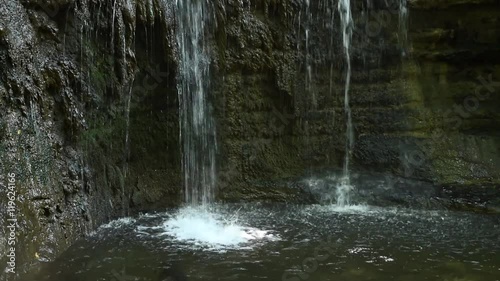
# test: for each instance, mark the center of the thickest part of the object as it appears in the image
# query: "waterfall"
(197, 129)
(309, 105)
(126, 154)
(344, 188)
(403, 27)
(308, 63)
(331, 27)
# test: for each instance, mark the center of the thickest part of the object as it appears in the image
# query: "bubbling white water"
(202, 227)
(119, 223)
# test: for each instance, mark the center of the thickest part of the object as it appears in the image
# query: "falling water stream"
(126, 154)
(199, 221)
(197, 129)
(344, 188)
(206, 241)
(308, 62)
(403, 27)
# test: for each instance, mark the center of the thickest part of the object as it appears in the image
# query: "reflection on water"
(279, 242)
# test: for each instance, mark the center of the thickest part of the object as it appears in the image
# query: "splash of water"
(208, 228)
(344, 188)
(343, 192)
(197, 129)
(118, 223)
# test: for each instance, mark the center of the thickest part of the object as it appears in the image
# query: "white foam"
(202, 227)
(350, 208)
(362, 210)
(343, 193)
(119, 223)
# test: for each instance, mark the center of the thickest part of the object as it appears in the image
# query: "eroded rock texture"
(424, 94)
(88, 87)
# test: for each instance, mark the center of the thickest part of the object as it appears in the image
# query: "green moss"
(99, 63)
(102, 130)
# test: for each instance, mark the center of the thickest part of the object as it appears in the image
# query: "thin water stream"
(347, 25)
(403, 27)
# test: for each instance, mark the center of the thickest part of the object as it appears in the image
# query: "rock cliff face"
(89, 110)
(423, 96)
(88, 117)
(454, 78)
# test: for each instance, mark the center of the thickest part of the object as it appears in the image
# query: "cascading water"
(126, 154)
(308, 63)
(330, 10)
(311, 105)
(199, 222)
(197, 130)
(403, 27)
(344, 188)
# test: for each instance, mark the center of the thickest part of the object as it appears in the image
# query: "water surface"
(287, 242)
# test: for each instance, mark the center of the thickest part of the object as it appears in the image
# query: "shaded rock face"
(88, 117)
(89, 108)
(423, 99)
